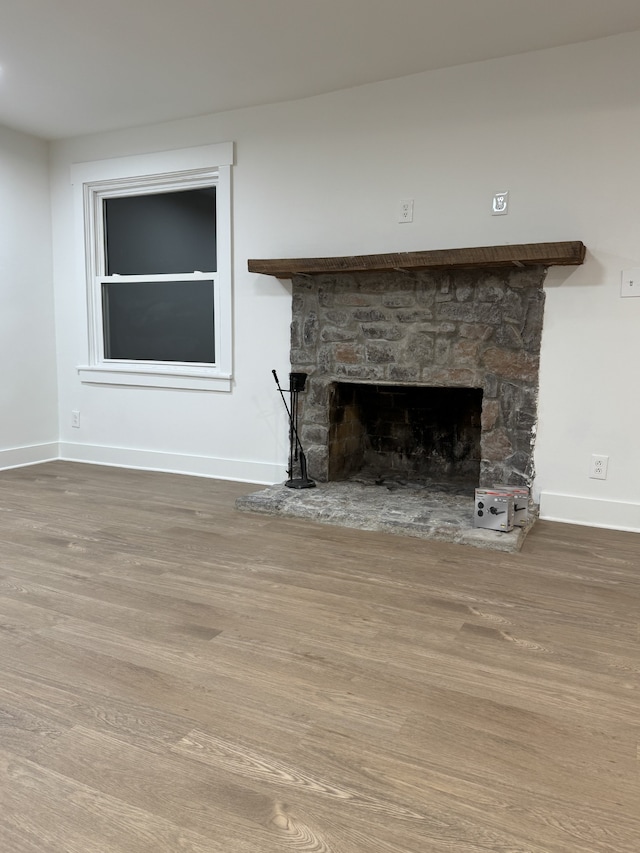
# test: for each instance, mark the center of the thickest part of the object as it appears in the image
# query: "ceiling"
(73, 67)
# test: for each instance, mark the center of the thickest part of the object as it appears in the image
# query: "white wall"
(559, 129)
(28, 404)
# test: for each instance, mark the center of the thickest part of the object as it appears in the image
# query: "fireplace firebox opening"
(405, 433)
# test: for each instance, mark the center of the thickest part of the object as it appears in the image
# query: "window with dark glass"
(158, 291)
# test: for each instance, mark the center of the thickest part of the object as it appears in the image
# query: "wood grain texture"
(178, 676)
(568, 253)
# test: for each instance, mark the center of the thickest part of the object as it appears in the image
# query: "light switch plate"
(630, 283)
(500, 204)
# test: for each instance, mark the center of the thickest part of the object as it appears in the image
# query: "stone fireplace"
(422, 370)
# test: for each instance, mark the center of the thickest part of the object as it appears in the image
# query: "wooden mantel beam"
(570, 253)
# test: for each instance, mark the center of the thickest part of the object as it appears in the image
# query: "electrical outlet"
(406, 210)
(500, 204)
(630, 283)
(75, 419)
(598, 468)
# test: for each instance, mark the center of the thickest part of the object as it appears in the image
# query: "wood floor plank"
(176, 676)
(206, 803)
(26, 726)
(52, 606)
(48, 811)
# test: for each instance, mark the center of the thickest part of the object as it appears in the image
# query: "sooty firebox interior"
(405, 433)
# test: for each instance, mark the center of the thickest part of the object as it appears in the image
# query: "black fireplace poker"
(297, 382)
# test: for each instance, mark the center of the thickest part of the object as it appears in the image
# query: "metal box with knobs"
(493, 510)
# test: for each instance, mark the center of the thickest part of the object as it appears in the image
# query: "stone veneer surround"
(475, 328)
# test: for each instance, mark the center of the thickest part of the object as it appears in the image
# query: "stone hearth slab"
(422, 513)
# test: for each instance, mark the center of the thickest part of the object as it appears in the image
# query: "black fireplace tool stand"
(297, 382)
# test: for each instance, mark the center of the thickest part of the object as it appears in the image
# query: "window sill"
(154, 377)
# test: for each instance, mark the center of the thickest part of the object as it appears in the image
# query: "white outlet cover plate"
(599, 466)
(630, 283)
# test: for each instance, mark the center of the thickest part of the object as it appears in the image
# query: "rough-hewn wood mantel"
(570, 253)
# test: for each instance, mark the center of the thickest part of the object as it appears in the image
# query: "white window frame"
(167, 171)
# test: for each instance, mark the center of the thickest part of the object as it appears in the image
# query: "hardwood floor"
(178, 676)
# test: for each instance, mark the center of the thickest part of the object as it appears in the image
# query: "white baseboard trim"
(590, 512)
(239, 470)
(33, 454)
